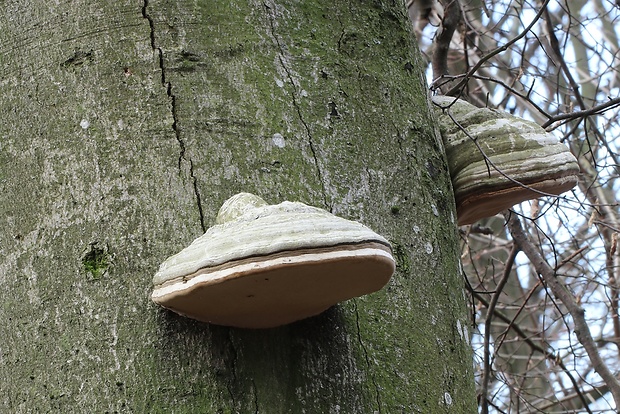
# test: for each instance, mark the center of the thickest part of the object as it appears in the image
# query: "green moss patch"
(96, 261)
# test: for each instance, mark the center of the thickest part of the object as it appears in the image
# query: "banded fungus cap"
(263, 265)
(497, 160)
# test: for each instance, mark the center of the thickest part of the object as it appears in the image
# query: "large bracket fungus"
(497, 160)
(265, 265)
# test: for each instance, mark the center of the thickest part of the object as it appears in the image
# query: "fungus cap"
(512, 159)
(266, 265)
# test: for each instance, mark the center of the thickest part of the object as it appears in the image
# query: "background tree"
(125, 125)
(555, 62)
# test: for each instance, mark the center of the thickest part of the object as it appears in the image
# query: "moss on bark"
(126, 124)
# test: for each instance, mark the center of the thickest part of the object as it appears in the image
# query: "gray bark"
(124, 127)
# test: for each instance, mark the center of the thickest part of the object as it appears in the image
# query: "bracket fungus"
(264, 265)
(497, 160)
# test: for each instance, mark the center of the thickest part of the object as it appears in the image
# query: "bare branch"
(457, 90)
(563, 71)
(549, 355)
(595, 110)
(449, 23)
(561, 292)
(487, 330)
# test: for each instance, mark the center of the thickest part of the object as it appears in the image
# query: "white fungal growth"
(84, 123)
(248, 227)
(428, 247)
(278, 140)
(263, 265)
(279, 82)
(526, 161)
(542, 138)
(463, 331)
(466, 334)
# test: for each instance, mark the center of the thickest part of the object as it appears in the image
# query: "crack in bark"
(359, 339)
(254, 390)
(173, 109)
(311, 144)
(233, 368)
(197, 194)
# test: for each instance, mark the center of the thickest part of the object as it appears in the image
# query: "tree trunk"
(125, 125)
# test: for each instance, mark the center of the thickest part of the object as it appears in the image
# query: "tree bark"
(126, 124)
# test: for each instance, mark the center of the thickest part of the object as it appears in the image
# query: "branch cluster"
(548, 318)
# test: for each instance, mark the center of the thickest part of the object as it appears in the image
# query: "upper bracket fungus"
(497, 160)
(264, 265)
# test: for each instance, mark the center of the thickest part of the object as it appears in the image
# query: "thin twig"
(571, 257)
(486, 372)
(595, 110)
(555, 47)
(549, 355)
(459, 87)
(561, 292)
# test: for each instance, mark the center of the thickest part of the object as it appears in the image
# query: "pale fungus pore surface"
(264, 265)
(497, 160)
